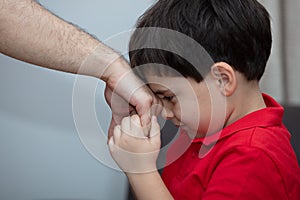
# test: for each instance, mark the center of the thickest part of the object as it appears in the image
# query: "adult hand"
(126, 94)
(133, 152)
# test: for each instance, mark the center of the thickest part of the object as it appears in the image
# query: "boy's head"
(235, 33)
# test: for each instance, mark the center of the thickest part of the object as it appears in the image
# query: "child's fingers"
(135, 121)
(126, 125)
(155, 109)
(145, 118)
(117, 134)
(154, 130)
(111, 144)
(136, 127)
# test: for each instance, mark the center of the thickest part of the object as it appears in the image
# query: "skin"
(180, 101)
(32, 34)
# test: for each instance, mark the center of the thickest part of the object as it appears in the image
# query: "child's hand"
(133, 152)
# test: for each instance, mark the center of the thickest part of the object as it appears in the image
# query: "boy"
(243, 153)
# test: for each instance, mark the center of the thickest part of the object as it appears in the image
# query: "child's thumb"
(155, 129)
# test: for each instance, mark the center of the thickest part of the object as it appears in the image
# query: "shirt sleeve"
(245, 173)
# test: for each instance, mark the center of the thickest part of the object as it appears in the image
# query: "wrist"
(120, 78)
(114, 71)
(140, 176)
(104, 63)
(149, 186)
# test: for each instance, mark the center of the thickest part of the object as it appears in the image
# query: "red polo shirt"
(249, 159)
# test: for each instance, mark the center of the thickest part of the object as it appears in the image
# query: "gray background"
(41, 154)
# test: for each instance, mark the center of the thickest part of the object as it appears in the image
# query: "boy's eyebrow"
(161, 91)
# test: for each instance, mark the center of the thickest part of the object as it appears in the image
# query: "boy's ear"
(225, 78)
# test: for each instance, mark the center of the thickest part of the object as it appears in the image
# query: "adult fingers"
(142, 100)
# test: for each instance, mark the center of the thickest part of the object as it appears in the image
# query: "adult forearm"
(149, 186)
(32, 34)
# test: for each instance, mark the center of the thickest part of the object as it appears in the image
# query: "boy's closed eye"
(168, 98)
(163, 93)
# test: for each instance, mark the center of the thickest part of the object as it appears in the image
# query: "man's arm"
(32, 34)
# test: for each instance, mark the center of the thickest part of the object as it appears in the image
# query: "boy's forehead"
(163, 83)
(157, 83)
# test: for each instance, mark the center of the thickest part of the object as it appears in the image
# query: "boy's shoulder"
(262, 129)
